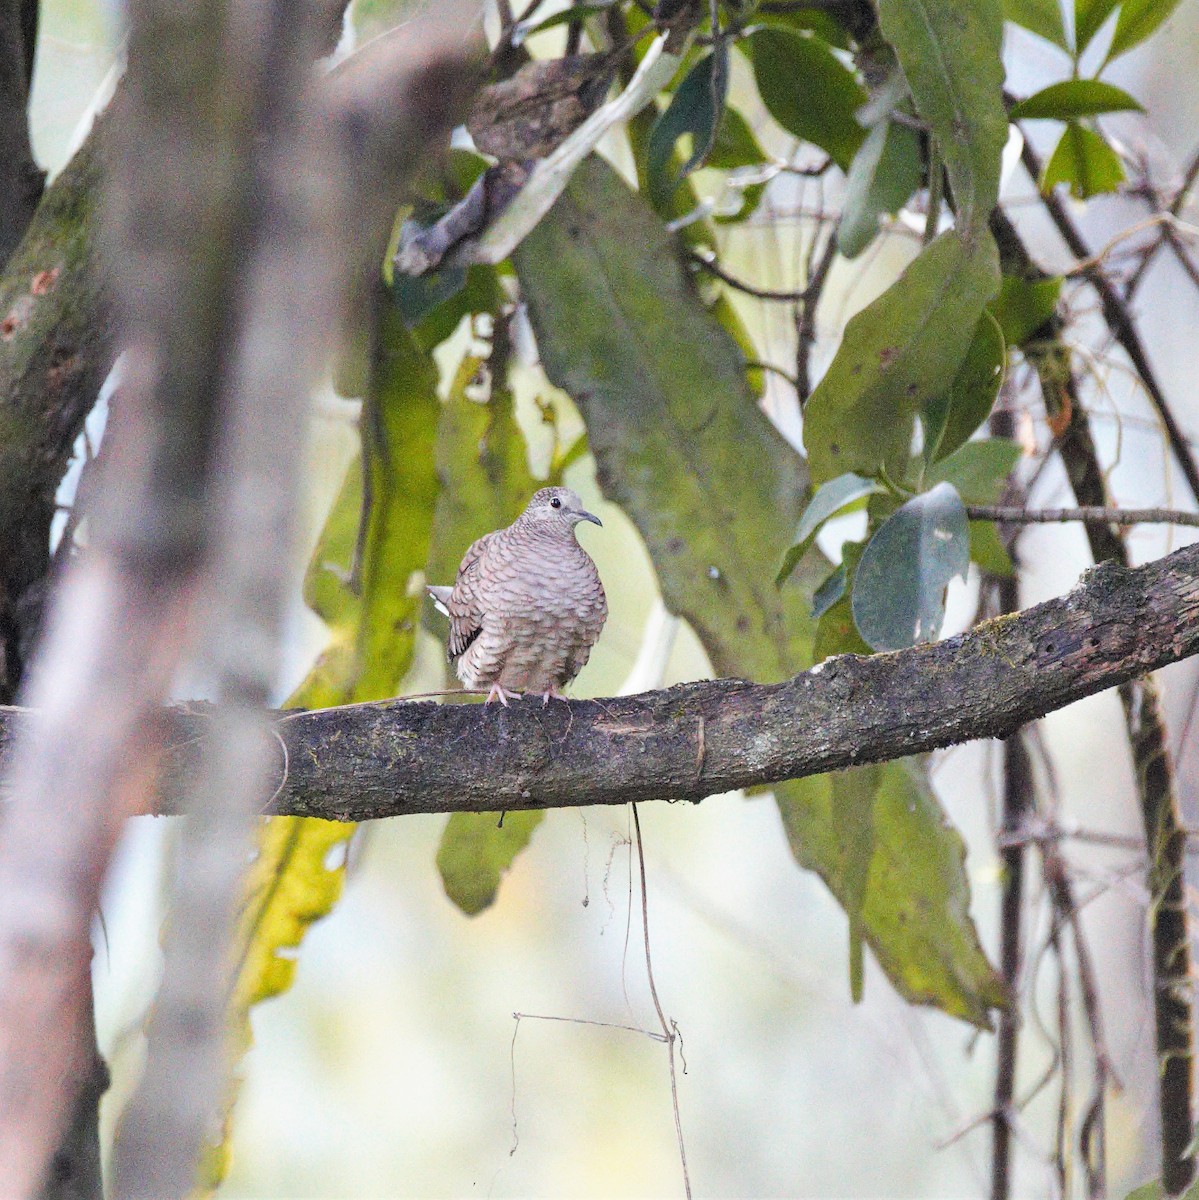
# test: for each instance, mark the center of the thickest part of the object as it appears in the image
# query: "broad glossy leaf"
(1083, 161)
(950, 53)
(476, 852)
(1138, 20)
(1043, 17)
(898, 352)
(830, 499)
(1089, 16)
(917, 868)
(695, 108)
(1024, 305)
(882, 177)
(978, 470)
(809, 91)
(716, 494)
(679, 442)
(899, 586)
(956, 415)
(1075, 98)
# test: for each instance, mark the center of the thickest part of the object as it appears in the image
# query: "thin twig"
(1087, 514)
(710, 265)
(1118, 318)
(805, 317)
(669, 1030)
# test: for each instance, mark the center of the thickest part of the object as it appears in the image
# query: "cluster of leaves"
(1084, 160)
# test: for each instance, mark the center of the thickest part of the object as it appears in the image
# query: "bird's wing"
(465, 602)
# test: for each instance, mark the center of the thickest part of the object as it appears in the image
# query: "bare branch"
(1088, 514)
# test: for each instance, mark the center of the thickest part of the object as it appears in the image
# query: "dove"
(528, 604)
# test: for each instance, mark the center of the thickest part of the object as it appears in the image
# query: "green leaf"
(716, 494)
(829, 592)
(807, 20)
(808, 91)
(735, 145)
(1075, 98)
(482, 462)
(476, 851)
(1138, 19)
(695, 108)
(917, 899)
(899, 587)
(576, 12)
(1085, 162)
(978, 470)
(1023, 306)
(399, 431)
(830, 499)
(854, 797)
(896, 353)
(954, 417)
(883, 175)
(1042, 17)
(988, 552)
(1089, 16)
(951, 55)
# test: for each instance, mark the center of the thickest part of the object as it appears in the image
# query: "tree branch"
(366, 761)
(1088, 514)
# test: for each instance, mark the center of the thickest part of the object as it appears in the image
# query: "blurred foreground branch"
(234, 210)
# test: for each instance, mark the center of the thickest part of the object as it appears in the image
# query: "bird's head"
(558, 507)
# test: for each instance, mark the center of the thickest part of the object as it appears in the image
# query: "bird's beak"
(584, 515)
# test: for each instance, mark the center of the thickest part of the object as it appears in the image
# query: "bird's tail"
(440, 595)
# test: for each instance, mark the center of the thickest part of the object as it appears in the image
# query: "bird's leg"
(551, 692)
(499, 693)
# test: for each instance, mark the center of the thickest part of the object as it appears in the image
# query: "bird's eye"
(555, 503)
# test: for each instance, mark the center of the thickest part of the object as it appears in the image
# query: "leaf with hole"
(808, 91)
(899, 586)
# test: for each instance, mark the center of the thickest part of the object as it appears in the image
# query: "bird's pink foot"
(501, 694)
(552, 692)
